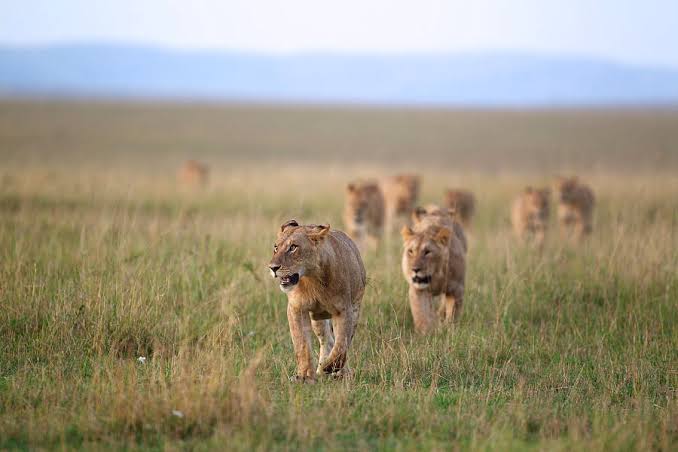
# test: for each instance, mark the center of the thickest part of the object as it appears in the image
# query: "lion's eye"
(427, 252)
(275, 248)
(410, 251)
(292, 248)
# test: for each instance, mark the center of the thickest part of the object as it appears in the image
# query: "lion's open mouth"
(289, 280)
(421, 279)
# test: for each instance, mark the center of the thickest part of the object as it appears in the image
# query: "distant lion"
(193, 173)
(323, 275)
(434, 265)
(575, 206)
(463, 202)
(530, 214)
(401, 194)
(364, 212)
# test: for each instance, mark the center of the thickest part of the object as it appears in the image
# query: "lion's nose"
(416, 269)
(274, 268)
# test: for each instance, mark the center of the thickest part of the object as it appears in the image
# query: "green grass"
(573, 348)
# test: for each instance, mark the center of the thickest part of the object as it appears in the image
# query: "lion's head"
(358, 196)
(295, 253)
(425, 255)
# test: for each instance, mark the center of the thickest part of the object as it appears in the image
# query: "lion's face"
(424, 256)
(295, 253)
(357, 202)
(537, 204)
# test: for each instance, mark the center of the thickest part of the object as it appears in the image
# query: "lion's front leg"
(300, 329)
(323, 331)
(423, 311)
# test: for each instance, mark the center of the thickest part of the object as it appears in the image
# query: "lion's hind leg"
(344, 326)
(323, 331)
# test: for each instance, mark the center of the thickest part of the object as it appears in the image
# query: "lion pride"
(322, 273)
(434, 265)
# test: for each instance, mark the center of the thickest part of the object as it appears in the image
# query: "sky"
(643, 32)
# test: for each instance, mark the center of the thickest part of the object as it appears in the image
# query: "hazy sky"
(635, 31)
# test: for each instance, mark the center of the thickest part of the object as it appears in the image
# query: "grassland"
(103, 260)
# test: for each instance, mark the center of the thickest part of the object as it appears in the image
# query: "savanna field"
(105, 259)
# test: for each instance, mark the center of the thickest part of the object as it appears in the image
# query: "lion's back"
(348, 261)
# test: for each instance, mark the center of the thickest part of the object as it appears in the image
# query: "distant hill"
(482, 79)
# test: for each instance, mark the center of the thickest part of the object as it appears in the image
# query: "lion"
(530, 214)
(434, 265)
(463, 202)
(575, 207)
(321, 271)
(401, 194)
(193, 173)
(364, 212)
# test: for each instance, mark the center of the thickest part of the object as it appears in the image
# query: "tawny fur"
(434, 249)
(463, 203)
(433, 215)
(364, 212)
(530, 213)
(193, 173)
(327, 298)
(401, 194)
(575, 207)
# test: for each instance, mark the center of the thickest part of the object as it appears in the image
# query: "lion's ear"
(442, 236)
(418, 214)
(406, 232)
(318, 232)
(288, 224)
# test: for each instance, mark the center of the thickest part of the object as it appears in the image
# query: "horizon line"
(555, 54)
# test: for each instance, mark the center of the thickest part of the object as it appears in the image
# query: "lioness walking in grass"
(434, 265)
(323, 275)
(575, 207)
(530, 215)
(364, 212)
(193, 173)
(463, 203)
(401, 193)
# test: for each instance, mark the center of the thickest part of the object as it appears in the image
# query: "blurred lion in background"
(364, 212)
(193, 174)
(575, 207)
(530, 214)
(401, 194)
(463, 203)
(434, 265)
